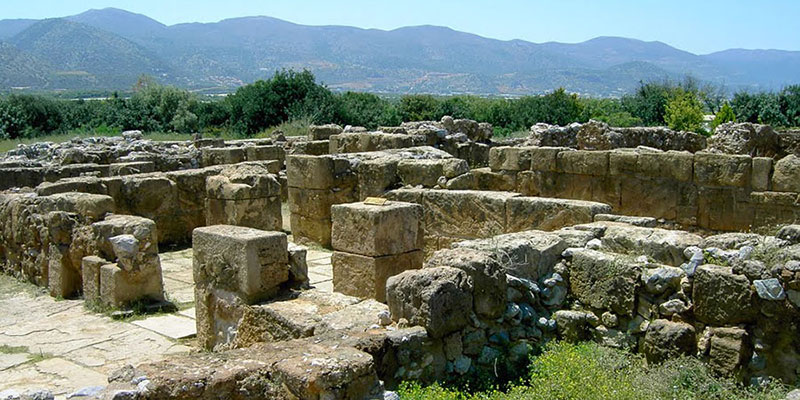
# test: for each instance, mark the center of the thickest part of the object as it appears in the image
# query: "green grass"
(588, 371)
(6, 349)
(11, 286)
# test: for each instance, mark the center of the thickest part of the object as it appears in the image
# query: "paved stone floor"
(61, 346)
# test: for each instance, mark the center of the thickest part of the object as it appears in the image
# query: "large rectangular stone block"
(259, 213)
(316, 203)
(465, 213)
(623, 162)
(510, 158)
(365, 277)
(225, 155)
(375, 176)
(308, 230)
(762, 173)
(677, 165)
(787, 174)
(583, 162)
(428, 172)
(373, 230)
(318, 172)
(119, 288)
(246, 261)
(722, 170)
(263, 153)
(545, 158)
(527, 213)
(90, 272)
(605, 281)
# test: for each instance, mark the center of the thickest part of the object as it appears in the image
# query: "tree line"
(290, 95)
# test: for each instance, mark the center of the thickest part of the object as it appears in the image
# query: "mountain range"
(109, 49)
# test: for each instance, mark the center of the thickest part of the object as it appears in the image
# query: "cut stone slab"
(172, 326)
(189, 313)
(371, 230)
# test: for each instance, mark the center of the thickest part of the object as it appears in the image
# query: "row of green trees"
(291, 95)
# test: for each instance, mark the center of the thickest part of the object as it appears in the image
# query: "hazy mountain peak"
(121, 22)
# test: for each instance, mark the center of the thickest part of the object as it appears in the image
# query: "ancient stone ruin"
(452, 253)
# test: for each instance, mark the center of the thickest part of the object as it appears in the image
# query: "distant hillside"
(110, 48)
(87, 53)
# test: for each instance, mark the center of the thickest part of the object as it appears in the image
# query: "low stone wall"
(640, 289)
(242, 194)
(318, 182)
(451, 216)
(71, 243)
(714, 191)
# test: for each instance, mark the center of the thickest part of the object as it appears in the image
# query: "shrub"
(725, 114)
(684, 112)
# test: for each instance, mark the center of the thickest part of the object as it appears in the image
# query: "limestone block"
(657, 197)
(90, 273)
(316, 203)
(762, 173)
(225, 155)
(722, 169)
(365, 277)
(243, 181)
(312, 148)
(308, 230)
(119, 287)
(345, 373)
(438, 299)
(263, 153)
(218, 313)
(427, 172)
(298, 267)
(722, 297)
(510, 158)
(572, 325)
(318, 172)
(142, 229)
(528, 255)
(486, 179)
(259, 213)
(246, 261)
(80, 184)
(545, 158)
(374, 177)
(665, 340)
(623, 162)
(488, 277)
(605, 281)
(130, 168)
(677, 165)
(374, 231)
(91, 206)
(664, 246)
(787, 174)
(728, 350)
(583, 162)
(323, 132)
(528, 213)
(465, 213)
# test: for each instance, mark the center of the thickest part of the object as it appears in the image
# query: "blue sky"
(699, 26)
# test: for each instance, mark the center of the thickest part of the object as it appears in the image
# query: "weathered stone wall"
(451, 216)
(242, 194)
(640, 289)
(714, 191)
(318, 182)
